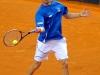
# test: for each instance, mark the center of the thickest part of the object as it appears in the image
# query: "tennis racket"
(14, 37)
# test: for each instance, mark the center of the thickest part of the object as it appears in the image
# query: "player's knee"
(37, 64)
(64, 63)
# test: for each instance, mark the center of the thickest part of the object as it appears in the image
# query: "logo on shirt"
(50, 16)
(58, 9)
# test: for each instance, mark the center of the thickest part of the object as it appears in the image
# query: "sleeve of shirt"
(65, 10)
(39, 19)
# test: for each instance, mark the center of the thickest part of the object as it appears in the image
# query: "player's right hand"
(39, 29)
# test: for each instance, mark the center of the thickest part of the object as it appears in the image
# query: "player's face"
(47, 1)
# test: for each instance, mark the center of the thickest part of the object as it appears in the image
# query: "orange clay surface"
(83, 37)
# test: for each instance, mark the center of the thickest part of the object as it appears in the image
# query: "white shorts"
(59, 47)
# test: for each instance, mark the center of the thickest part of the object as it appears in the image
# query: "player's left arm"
(70, 15)
(83, 13)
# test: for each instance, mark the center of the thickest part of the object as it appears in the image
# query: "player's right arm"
(39, 18)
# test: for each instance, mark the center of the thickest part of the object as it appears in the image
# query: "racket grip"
(32, 31)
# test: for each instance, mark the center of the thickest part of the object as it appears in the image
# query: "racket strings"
(12, 36)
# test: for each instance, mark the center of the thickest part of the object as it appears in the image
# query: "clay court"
(83, 37)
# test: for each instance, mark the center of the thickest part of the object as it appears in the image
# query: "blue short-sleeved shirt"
(50, 18)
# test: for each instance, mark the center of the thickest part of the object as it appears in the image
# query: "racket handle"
(32, 31)
(37, 30)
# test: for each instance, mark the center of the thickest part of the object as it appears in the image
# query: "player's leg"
(34, 67)
(62, 54)
(38, 58)
(64, 64)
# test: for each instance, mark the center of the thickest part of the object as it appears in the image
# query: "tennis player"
(48, 24)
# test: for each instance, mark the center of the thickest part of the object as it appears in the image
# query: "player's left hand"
(84, 13)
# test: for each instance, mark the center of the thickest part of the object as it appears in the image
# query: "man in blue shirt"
(48, 24)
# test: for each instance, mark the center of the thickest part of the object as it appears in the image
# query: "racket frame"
(21, 33)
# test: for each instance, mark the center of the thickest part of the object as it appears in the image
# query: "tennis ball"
(14, 42)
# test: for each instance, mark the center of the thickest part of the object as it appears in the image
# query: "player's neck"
(46, 4)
